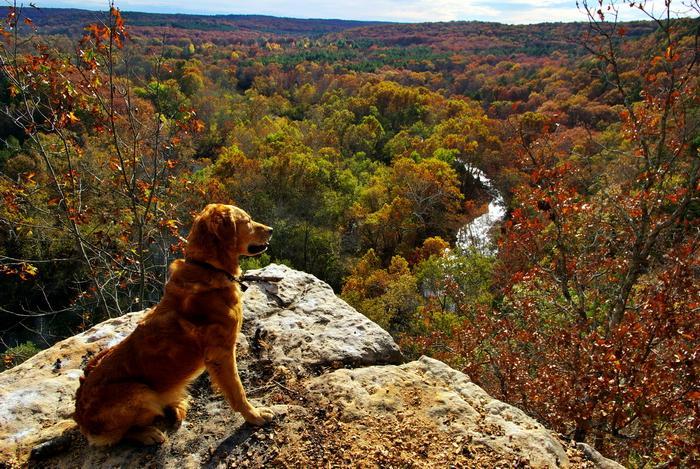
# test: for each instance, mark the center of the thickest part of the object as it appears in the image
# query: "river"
(477, 233)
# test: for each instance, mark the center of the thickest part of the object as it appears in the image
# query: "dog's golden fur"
(193, 328)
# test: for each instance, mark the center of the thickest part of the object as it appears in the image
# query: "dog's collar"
(228, 274)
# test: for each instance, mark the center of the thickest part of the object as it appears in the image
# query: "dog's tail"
(78, 414)
(94, 361)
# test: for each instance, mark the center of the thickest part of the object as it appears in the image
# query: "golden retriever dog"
(193, 328)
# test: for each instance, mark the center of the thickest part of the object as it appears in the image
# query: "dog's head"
(231, 229)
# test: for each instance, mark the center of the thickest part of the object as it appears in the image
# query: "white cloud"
(543, 15)
(435, 10)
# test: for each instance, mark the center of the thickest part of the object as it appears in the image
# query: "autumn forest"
(362, 144)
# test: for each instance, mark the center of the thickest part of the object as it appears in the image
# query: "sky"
(502, 11)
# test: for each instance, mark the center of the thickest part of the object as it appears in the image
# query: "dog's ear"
(221, 223)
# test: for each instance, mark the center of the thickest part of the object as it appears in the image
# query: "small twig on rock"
(260, 388)
(277, 383)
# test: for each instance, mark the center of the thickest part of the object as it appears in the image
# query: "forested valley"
(358, 142)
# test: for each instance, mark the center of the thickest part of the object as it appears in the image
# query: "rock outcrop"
(335, 380)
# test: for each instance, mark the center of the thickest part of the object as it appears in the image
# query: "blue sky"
(503, 11)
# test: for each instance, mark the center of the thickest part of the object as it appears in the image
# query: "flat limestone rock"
(290, 318)
(37, 396)
(332, 377)
(428, 396)
(302, 324)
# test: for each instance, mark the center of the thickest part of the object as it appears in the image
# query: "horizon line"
(263, 15)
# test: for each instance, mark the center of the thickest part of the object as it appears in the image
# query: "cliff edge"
(338, 384)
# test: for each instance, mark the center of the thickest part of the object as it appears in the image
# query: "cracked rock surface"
(304, 326)
(333, 378)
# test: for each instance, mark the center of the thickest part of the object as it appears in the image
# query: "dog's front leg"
(221, 365)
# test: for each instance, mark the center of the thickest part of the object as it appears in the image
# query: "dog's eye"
(245, 223)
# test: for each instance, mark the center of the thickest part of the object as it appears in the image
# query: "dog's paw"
(259, 416)
(180, 415)
(147, 436)
(176, 413)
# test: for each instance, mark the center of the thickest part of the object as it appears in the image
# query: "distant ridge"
(72, 21)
